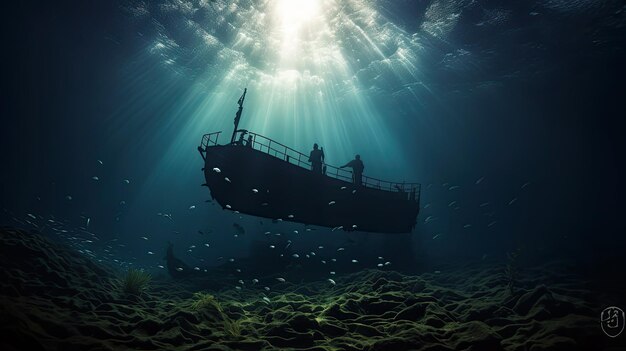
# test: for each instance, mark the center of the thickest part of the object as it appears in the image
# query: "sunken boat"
(259, 176)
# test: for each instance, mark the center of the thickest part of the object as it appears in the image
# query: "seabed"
(54, 298)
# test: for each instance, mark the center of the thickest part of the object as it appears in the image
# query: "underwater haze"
(509, 115)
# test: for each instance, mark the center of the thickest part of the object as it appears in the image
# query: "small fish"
(387, 263)
(355, 261)
(192, 207)
(196, 268)
(452, 204)
(492, 223)
(333, 259)
(340, 249)
(238, 287)
(207, 245)
(126, 181)
(290, 216)
(484, 204)
(144, 238)
(192, 246)
(429, 219)
(436, 236)
(331, 203)
(122, 202)
(337, 228)
(254, 281)
(240, 282)
(266, 299)
(95, 178)
(323, 261)
(320, 247)
(427, 206)
(217, 170)
(227, 179)
(479, 180)
(295, 232)
(379, 265)
(69, 197)
(160, 266)
(238, 270)
(467, 226)
(353, 192)
(512, 201)
(453, 187)
(100, 162)
(282, 280)
(267, 233)
(228, 206)
(231, 260)
(288, 244)
(343, 188)
(525, 185)
(437, 272)
(295, 255)
(332, 273)
(267, 288)
(312, 253)
(272, 247)
(88, 220)
(179, 269)
(331, 281)
(354, 226)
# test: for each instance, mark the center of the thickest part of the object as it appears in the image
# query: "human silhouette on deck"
(242, 137)
(249, 144)
(357, 169)
(316, 157)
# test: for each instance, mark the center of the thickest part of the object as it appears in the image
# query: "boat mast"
(238, 115)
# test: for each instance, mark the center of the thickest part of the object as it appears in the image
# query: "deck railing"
(287, 154)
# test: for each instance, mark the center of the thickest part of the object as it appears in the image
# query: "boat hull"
(259, 184)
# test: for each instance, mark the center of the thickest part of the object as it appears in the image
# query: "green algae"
(208, 304)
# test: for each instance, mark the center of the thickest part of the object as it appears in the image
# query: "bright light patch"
(293, 21)
(293, 13)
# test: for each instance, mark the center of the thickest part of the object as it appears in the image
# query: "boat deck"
(294, 157)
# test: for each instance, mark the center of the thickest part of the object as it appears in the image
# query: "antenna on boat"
(238, 115)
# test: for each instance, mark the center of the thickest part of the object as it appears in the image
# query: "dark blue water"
(509, 114)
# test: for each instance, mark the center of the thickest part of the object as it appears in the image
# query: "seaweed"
(203, 301)
(232, 327)
(135, 282)
(208, 303)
